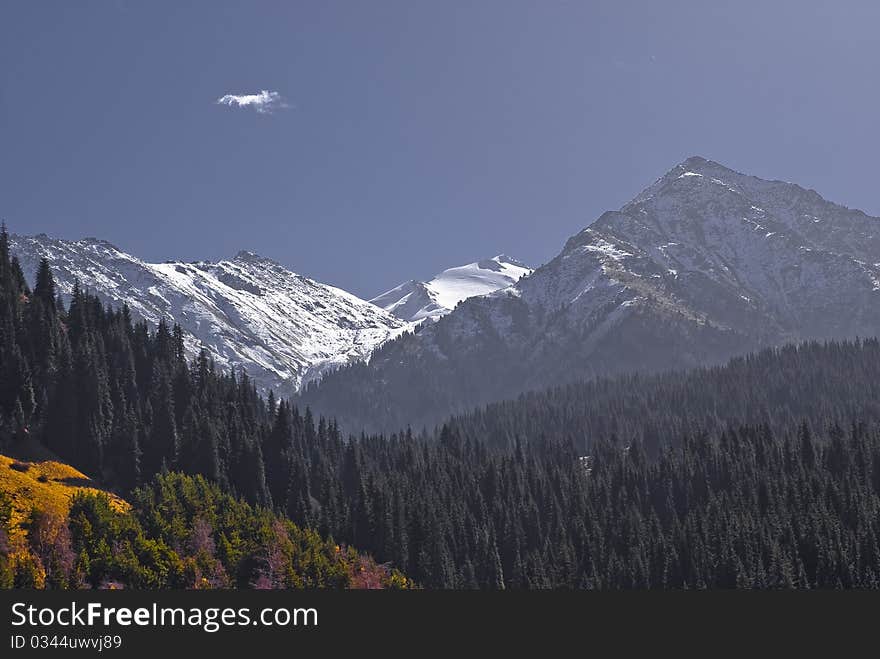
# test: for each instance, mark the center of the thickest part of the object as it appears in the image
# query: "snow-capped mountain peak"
(415, 300)
(704, 263)
(249, 311)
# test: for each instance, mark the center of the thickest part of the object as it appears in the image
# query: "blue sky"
(417, 135)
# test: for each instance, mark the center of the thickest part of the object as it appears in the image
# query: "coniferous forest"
(764, 473)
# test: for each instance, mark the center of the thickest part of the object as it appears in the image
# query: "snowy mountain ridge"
(249, 311)
(703, 264)
(416, 300)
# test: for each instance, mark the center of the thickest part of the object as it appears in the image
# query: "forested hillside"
(821, 383)
(122, 404)
(116, 400)
(762, 473)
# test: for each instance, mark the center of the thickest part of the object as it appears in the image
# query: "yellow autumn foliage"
(47, 485)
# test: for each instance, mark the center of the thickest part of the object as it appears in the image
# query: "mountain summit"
(704, 263)
(417, 300)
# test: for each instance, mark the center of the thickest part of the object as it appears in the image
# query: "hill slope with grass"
(58, 530)
(48, 485)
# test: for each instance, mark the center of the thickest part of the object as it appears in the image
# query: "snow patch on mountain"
(415, 300)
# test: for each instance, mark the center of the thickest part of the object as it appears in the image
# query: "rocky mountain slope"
(416, 300)
(704, 263)
(249, 312)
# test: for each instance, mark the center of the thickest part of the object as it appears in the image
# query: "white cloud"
(265, 102)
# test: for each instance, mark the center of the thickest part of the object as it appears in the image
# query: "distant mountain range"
(417, 300)
(704, 263)
(250, 312)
